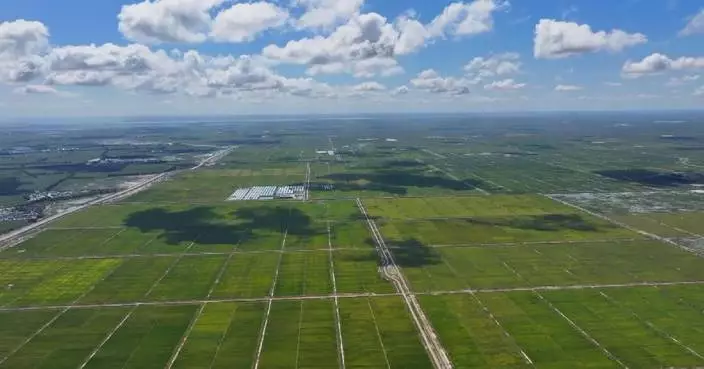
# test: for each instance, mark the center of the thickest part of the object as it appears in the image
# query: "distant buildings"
(268, 193)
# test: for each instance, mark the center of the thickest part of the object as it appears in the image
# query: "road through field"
(438, 354)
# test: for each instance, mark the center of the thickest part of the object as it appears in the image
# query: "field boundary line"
(64, 309)
(353, 296)
(166, 272)
(378, 334)
(184, 337)
(196, 316)
(107, 338)
(35, 334)
(570, 321)
(495, 320)
(338, 324)
(188, 254)
(298, 340)
(626, 226)
(265, 324)
(652, 326)
(436, 352)
(581, 331)
(534, 243)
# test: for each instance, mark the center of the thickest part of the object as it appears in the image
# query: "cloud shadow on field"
(409, 253)
(208, 227)
(545, 223)
(652, 178)
(396, 182)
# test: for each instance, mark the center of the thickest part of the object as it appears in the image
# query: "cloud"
(556, 39)
(658, 63)
(22, 38)
(167, 21)
(680, 81)
(495, 65)
(36, 90)
(695, 25)
(402, 90)
(412, 36)
(369, 86)
(613, 84)
(504, 85)
(242, 22)
(364, 45)
(699, 91)
(21, 42)
(429, 80)
(568, 88)
(327, 13)
(466, 19)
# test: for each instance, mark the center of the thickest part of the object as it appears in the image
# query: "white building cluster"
(268, 193)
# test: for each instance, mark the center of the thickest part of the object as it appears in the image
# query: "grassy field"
(68, 341)
(224, 336)
(679, 224)
(550, 265)
(377, 333)
(302, 334)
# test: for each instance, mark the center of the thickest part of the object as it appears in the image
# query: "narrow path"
(265, 324)
(338, 324)
(436, 351)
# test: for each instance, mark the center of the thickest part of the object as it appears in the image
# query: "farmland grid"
(335, 296)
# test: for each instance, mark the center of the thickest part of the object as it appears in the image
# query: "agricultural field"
(505, 243)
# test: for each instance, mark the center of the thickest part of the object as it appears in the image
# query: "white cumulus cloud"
(504, 85)
(495, 65)
(557, 39)
(167, 21)
(327, 13)
(242, 22)
(431, 81)
(465, 19)
(369, 86)
(658, 63)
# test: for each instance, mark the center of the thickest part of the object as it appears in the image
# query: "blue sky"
(113, 57)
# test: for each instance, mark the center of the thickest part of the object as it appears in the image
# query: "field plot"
(377, 333)
(18, 326)
(451, 268)
(304, 274)
(681, 224)
(636, 339)
(510, 173)
(189, 279)
(300, 334)
(62, 286)
(517, 229)
(546, 339)
(68, 340)
(465, 207)
(350, 235)
(358, 271)
(131, 281)
(247, 275)
(223, 337)
(146, 340)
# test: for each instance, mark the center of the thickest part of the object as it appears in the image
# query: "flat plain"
(530, 250)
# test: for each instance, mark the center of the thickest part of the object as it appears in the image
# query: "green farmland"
(422, 251)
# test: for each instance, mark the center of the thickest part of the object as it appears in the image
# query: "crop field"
(484, 245)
